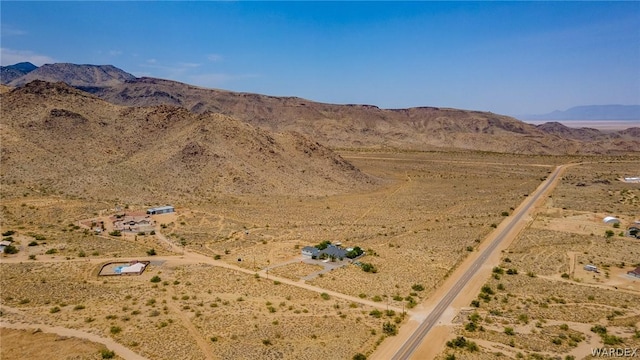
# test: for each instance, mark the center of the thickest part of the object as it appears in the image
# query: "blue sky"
(504, 57)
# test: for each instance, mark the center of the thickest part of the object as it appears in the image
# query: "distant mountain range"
(591, 112)
(336, 126)
(71, 74)
(12, 72)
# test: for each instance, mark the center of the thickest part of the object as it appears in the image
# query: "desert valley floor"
(226, 279)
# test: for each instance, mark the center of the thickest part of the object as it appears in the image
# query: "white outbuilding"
(133, 269)
(161, 210)
(611, 220)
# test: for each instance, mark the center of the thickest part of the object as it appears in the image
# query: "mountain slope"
(76, 75)
(57, 138)
(12, 72)
(349, 126)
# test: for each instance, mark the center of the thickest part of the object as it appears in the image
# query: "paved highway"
(415, 339)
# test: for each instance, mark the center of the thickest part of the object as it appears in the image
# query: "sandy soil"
(430, 213)
(552, 303)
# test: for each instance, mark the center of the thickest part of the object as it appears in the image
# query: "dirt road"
(111, 344)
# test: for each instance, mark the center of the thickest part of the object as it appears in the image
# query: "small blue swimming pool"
(118, 269)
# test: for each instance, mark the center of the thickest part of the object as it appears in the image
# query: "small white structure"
(590, 267)
(136, 268)
(611, 220)
(161, 210)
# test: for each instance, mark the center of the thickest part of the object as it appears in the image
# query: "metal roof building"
(161, 210)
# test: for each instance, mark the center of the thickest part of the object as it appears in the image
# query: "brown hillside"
(349, 126)
(76, 75)
(56, 138)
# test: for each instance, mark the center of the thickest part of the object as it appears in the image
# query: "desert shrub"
(33, 243)
(599, 329)
(487, 290)
(375, 313)
(8, 233)
(54, 310)
(461, 342)
(471, 326)
(475, 303)
(153, 232)
(115, 330)
(323, 245)
(368, 267)
(389, 329)
(151, 252)
(376, 298)
(609, 233)
(498, 270)
(32, 257)
(107, 354)
(417, 287)
(325, 296)
(266, 342)
(78, 307)
(10, 249)
(115, 233)
(355, 252)
(475, 317)
(512, 272)
(156, 279)
(411, 302)
(524, 318)
(359, 356)
(504, 213)
(509, 331)
(608, 339)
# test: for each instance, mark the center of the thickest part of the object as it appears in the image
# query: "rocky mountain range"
(56, 138)
(353, 126)
(12, 72)
(72, 74)
(342, 126)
